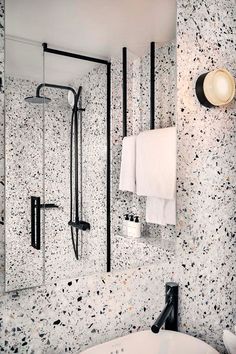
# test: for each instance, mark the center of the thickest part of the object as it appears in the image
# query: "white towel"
(156, 163)
(156, 174)
(128, 165)
(229, 341)
(161, 211)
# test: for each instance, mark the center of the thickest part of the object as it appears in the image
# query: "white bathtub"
(146, 342)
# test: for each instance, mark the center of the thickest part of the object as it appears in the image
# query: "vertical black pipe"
(71, 164)
(152, 85)
(38, 226)
(108, 167)
(124, 63)
(76, 196)
(81, 157)
(76, 157)
(35, 223)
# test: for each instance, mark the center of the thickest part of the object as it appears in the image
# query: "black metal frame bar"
(108, 167)
(76, 164)
(73, 55)
(35, 223)
(108, 64)
(124, 86)
(152, 85)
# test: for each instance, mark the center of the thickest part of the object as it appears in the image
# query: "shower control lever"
(48, 206)
(81, 225)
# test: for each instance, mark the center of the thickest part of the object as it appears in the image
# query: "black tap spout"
(162, 317)
(169, 315)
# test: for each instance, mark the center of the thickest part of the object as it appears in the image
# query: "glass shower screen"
(56, 167)
(24, 177)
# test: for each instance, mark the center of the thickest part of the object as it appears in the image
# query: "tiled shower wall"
(67, 317)
(206, 173)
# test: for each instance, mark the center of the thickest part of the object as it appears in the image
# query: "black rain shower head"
(37, 99)
(42, 99)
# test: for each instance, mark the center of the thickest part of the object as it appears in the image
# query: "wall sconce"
(215, 88)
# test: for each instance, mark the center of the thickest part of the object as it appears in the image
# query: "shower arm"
(39, 87)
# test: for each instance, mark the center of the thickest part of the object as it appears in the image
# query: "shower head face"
(37, 99)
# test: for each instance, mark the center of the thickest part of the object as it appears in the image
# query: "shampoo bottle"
(125, 225)
(137, 227)
(130, 225)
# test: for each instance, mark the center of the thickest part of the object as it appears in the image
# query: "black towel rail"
(124, 64)
(152, 85)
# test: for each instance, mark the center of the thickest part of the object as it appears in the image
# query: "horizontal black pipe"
(73, 55)
(48, 206)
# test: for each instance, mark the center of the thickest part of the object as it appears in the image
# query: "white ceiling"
(92, 27)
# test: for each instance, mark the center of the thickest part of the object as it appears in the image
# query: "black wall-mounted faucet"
(169, 315)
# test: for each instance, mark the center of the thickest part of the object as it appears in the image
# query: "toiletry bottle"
(125, 225)
(130, 225)
(137, 227)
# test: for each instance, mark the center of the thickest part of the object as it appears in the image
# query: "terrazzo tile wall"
(66, 317)
(206, 173)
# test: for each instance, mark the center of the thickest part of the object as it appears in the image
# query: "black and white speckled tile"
(206, 174)
(54, 319)
(69, 316)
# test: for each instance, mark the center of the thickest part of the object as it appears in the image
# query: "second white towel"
(156, 174)
(156, 163)
(161, 211)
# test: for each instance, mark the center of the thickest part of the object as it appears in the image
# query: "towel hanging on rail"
(156, 163)
(161, 211)
(156, 174)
